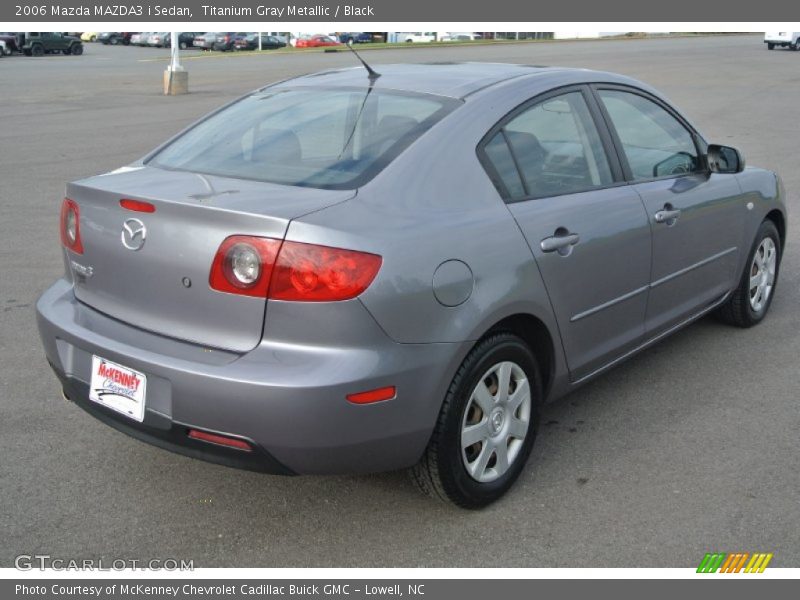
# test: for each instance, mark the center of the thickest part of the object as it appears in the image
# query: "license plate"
(119, 388)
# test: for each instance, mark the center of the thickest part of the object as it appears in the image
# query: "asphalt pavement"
(688, 448)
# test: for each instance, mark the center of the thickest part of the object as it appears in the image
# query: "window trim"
(607, 142)
(697, 139)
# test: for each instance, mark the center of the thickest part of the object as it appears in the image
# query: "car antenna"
(373, 75)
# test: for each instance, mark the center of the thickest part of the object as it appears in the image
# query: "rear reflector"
(379, 395)
(221, 440)
(137, 206)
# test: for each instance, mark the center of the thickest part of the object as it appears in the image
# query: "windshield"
(326, 138)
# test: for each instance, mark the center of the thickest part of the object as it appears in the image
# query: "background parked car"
(317, 41)
(790, 39)
(89, 36)
(140, 39)
(356, 37)
(250, 42)
(185, 40)
(12, 40)
(419, 37)
(461, 36)
(4, 51)
(227, 40)
(114, 38)
(207, 40)
(48, 42)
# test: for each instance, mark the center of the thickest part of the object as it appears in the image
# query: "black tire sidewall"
(767, 229)
(455, 478)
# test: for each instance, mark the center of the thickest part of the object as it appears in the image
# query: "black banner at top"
(397, 11)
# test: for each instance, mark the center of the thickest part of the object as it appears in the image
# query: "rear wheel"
(114, 41)
(67, 51)
(37, 50)
(770, 46)
(182, 45)
(486, 427)
(751, 300)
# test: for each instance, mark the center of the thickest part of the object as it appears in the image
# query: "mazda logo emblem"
(133, 234)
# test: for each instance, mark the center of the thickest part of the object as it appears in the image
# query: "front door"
(697, 217)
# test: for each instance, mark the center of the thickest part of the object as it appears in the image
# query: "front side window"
(655, 143)
(554, 147)
(326, 138)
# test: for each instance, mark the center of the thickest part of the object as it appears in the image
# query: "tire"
(182, 45)
(37, 50)
(443, 473)
(77, 49)
(747, 307)
(770, 46)
(93, 38)
(113, 41)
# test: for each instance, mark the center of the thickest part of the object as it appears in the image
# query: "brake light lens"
(71, 226)
(137, 206)
(243, 265)
(311, 273)
(269, 268)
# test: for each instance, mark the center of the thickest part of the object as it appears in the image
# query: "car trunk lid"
(158, 280)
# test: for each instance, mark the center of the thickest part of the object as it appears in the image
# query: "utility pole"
(176, 78)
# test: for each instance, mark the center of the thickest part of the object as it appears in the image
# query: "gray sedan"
(350, 272)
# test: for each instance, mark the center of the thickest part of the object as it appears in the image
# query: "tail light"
(243, 265)
(310, 273)
(71, 226)
(295, 271)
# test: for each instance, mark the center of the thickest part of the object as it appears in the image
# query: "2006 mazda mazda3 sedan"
(343, 273)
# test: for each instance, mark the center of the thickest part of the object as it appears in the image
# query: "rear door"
(697, 217)
(588, 232)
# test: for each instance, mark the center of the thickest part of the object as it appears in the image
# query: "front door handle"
(667, 215)
(562, 242)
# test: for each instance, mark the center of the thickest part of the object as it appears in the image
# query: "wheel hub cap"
(495, 422)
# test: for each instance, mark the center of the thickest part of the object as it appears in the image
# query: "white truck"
(782, 38)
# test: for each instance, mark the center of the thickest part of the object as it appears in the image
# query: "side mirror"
(724, 159)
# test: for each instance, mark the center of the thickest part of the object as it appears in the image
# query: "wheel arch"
(537, 336)
(778, 218)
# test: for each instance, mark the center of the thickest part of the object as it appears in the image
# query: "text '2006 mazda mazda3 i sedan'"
(345, 274)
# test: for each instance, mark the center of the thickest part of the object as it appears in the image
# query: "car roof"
(452, 79)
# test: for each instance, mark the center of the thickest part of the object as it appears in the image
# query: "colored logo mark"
(734, 562)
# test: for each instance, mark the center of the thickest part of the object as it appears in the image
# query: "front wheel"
(182, 45)
(750, 301)
(486, 426)
(77, 49)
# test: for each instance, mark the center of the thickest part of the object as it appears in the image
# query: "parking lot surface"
(690, 447)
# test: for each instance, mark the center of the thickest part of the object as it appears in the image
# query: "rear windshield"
(325, 138)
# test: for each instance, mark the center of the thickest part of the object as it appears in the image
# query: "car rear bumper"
(288, 400)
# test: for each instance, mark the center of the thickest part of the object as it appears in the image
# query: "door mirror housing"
(724, 159)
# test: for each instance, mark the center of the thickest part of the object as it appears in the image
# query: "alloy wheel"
(762, 274)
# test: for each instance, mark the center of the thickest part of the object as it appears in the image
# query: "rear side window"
(555, 149)
(326, 138)
(655, 143)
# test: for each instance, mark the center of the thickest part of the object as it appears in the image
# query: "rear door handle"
(667, 215)
(560, 242)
